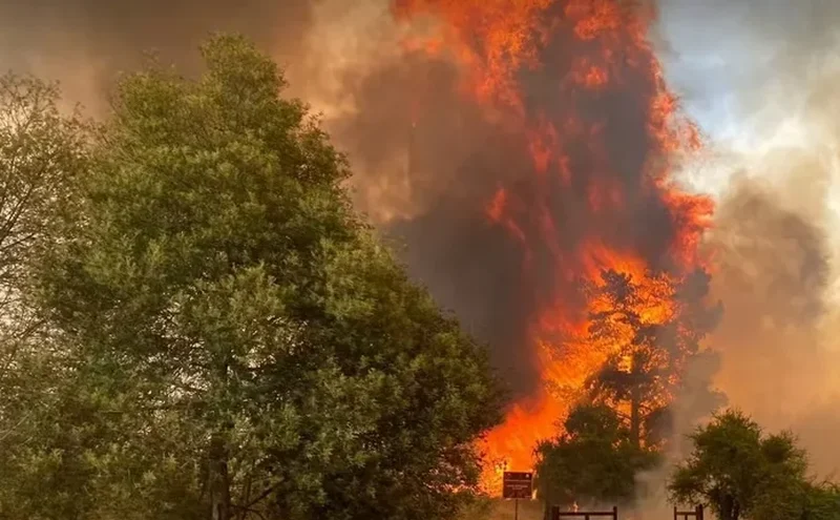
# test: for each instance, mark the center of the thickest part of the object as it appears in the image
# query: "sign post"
(516, 485)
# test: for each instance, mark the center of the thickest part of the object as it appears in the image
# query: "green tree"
(42, 153)
(739, 472)
(593, 462)
(800, 499)
(822, 502)
(241, 345)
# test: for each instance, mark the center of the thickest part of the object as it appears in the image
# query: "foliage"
(738, 471)
(822, 502)
(593, 462)
(42, 154)
(798, 499)
(239, 345)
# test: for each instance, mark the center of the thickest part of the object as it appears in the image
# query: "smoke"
(86, 43)
(760, 77)
(431, 159)
(773, 355)
(774, 165)
(426, 174)
(427, 163)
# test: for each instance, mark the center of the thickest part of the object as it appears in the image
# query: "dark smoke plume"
(431, 160)
(436, 168)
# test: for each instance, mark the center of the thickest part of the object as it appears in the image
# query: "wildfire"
(581, 82)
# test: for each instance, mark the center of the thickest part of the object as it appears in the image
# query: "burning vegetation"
(605, 243)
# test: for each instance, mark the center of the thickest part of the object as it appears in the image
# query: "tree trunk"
(728, 508)
(635, 408)
(219, 480)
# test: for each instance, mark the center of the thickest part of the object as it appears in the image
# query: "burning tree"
(586, 196)
(651, 329)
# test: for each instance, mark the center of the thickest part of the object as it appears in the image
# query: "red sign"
(518, 484)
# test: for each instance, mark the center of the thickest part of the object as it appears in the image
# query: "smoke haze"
(763, 76)
(85, 43)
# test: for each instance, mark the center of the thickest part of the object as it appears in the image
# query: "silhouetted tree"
(651, 329)
(739, 472)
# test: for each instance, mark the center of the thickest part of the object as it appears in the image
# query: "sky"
(713, 65)
(758, 77)
(746, 69)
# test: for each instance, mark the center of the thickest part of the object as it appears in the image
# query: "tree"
(42, 153)
(651, 328)
(593, 462)
(739, 472)
(799, 499)
(822, 502)
(241, 345)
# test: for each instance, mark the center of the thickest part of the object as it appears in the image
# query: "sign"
(518, 484)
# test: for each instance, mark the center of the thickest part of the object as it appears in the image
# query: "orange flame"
(586, 54)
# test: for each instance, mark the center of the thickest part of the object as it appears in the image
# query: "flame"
(581, 83)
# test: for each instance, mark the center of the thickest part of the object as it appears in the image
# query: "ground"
(504, 510)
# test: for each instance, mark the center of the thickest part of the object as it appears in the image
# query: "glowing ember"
(580, 82)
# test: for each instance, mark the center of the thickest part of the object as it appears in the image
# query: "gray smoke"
(433, 161)
(767, 69)
(774, 273)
